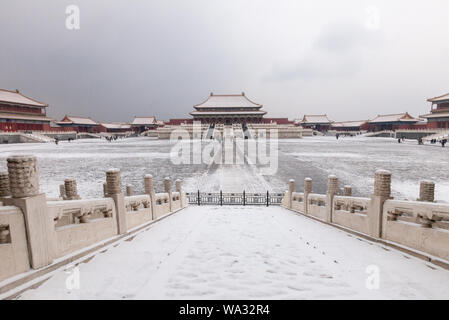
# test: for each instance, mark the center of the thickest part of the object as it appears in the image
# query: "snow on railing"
(67, 224)
(419, 225)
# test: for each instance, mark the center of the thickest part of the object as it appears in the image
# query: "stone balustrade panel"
(352, 213)
(176, 201)
(419, 225)
(162, 205)
(81, 223)
(138, 210)
(13, 242)
(298, 203)
(317, 206)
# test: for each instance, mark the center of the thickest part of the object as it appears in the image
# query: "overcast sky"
(351, 59)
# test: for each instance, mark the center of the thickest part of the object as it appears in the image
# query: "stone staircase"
(238, 130)
(443, 134)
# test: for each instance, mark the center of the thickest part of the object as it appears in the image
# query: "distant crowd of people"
(442, 141)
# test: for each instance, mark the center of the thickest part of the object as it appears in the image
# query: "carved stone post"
(149, 189)
(129, 190)
(382, 192)
(347, 191)
(114, 189)
(332, 190)
(167, 189)
(307, 191)
(427, 191)
(291, 189)
(4, 185)
(105, 189)
(24, 186)
(179, 190)
(71, 189)
(62, 193)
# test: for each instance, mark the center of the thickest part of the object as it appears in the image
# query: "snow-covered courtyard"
(245, 253)
(354, 160)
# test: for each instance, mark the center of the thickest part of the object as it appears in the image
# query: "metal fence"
(242, 199)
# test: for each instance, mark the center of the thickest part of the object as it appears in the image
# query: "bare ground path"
(247, 253)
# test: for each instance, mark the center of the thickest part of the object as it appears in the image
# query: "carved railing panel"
(137, 203)
(66, 213)
(353, 205)
(419, 225)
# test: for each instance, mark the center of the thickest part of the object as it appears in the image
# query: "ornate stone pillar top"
(332, 184)
(382, 183)
(308, 185)
(148, 183)
(167, 184)
(113, 181)
(178, 185)
(23, 176)
(427, 191)
(4, 184)
(291, 185)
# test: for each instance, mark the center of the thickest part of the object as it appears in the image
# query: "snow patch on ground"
(247, 253)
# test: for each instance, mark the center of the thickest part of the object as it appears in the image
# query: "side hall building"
(439, 112)
(19, 112)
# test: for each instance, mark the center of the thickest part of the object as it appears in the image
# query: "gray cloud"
(162, 57)
(337, 52)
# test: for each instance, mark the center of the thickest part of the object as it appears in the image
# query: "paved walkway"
(246, 253)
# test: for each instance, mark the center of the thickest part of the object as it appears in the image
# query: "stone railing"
(35, 231)
(81, 223)
(422, 225)
(418, 225)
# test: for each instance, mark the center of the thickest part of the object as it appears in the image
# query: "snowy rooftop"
(18, 98)
(144, 120)
(228, 101)
(397, 117)
(319, 119)
(77, 120)
(116, 125)
(444, 97)
(349, 123)
(436, 115)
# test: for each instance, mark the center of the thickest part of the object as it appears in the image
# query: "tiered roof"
(227, 101)
(77, 121)
(144, 121)
(315, 119)
(344, 124)
(397, 117)
(439, 99)
(228, 104)
(15, 97)
(116, 125)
